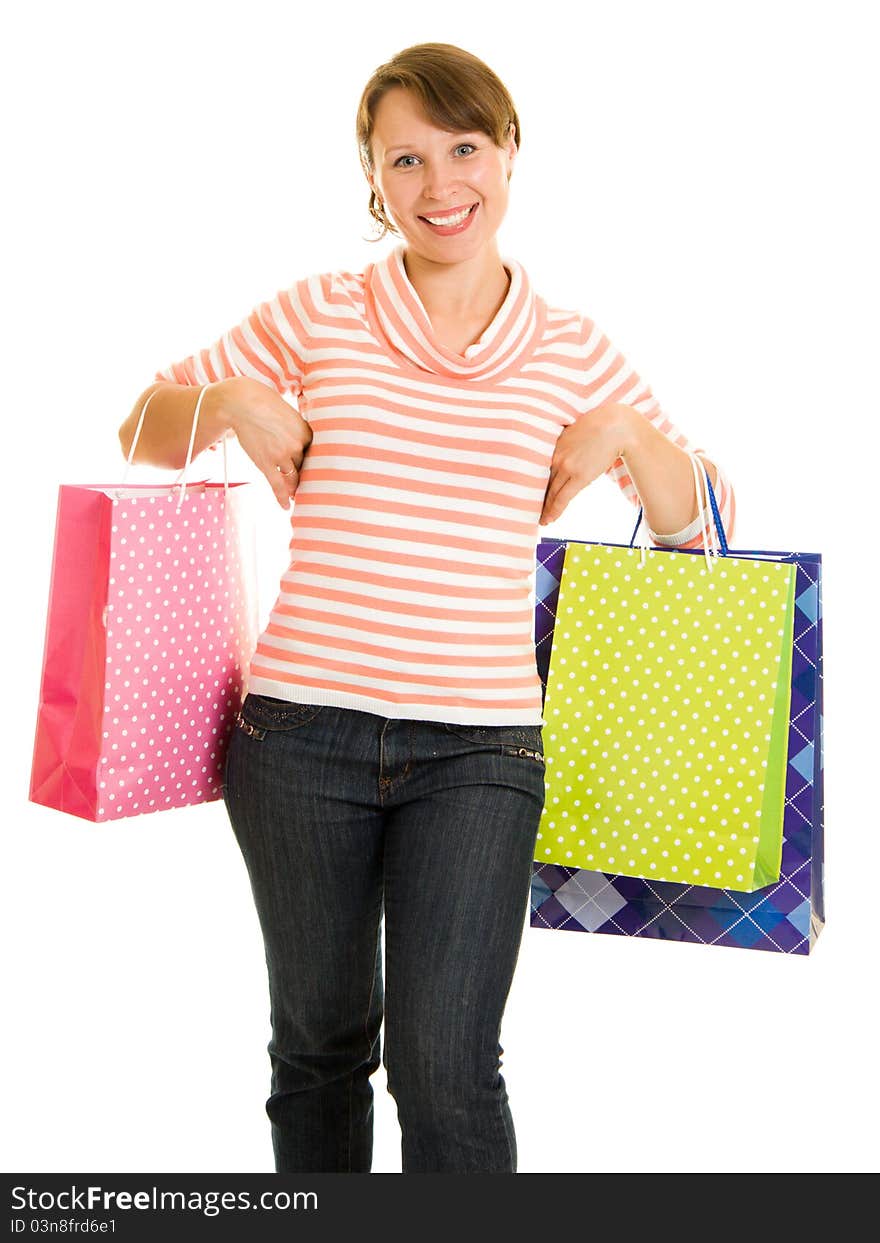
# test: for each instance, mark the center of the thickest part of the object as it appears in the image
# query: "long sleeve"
(270, 345)
(609, 378)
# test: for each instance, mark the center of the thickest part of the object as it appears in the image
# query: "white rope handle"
(192, 436)
(711, 545)
(644, 540)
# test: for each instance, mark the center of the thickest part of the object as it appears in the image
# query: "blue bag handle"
(722, 539)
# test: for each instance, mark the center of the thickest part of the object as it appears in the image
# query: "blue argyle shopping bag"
(785, 915)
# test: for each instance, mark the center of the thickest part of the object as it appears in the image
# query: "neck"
(471, 289)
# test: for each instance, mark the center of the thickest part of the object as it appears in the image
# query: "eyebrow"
(464, 133)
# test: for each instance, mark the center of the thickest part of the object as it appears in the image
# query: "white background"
(695, 177)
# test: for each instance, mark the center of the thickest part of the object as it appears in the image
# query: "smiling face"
(423, 172)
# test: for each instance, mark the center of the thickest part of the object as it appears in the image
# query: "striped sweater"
(409, 592)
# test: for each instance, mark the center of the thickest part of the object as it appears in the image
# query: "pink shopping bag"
(151, 625)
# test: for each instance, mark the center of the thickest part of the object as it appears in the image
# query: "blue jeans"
(338, 814)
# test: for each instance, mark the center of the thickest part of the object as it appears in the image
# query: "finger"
(553, 487)
(555, 504)
(291, 480)
(280, 485)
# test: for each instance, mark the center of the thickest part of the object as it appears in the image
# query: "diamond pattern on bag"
(590, 898)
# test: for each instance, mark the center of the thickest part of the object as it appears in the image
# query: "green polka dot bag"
(670, 697)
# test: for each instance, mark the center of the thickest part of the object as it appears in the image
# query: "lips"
(453, 211)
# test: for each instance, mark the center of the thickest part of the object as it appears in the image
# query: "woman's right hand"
(269, 430)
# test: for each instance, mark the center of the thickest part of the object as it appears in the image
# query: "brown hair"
(457, 92)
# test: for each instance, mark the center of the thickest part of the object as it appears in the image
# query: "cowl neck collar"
(399, 318)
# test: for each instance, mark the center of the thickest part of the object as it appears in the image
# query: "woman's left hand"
(584, 451)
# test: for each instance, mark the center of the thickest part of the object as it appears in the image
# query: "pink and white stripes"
(408, 592)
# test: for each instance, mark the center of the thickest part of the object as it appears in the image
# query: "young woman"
(389, 755)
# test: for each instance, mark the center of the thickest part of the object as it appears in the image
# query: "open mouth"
(453, 222)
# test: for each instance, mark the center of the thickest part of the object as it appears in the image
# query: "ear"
(511, 147)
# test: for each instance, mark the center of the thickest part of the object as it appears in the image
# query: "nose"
(441, 185)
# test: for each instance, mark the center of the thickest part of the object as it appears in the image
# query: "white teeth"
(450, 220)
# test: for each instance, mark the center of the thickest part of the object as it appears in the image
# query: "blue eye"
(413, 157)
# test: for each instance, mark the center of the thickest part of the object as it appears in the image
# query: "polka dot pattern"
(666, 715)
(181, 626)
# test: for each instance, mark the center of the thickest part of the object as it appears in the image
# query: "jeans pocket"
(506, 737)
(261, 714)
